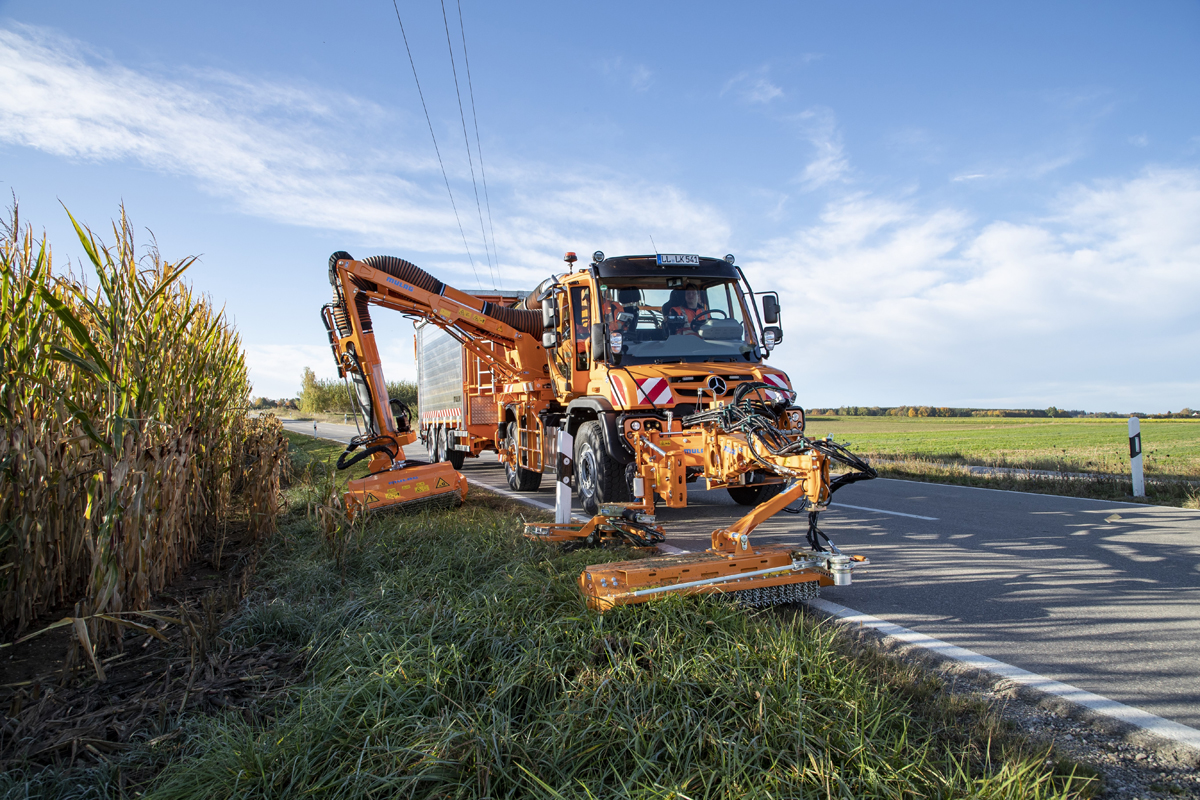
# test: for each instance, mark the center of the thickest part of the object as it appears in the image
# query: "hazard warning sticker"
(371, 498)
(441, 484)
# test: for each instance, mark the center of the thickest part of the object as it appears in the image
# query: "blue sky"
(961, 204)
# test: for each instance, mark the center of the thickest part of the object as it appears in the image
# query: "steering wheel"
(707, 314)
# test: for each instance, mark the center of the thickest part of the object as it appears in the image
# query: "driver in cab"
(687, 315)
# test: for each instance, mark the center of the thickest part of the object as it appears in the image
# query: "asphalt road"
(1101, 595)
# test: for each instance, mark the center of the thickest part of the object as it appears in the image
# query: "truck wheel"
(431, 437)
(598, 478)
(455, 457)
(440, 444)
(753, 495)
(519, 478)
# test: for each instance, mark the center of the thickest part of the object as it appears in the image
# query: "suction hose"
(529, 322)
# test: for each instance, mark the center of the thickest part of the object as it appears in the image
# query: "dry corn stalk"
(122, 428)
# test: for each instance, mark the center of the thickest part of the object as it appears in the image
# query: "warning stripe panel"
(444, 415)
(654, 390)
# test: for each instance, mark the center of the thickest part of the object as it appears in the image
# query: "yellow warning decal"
(371, 498)
(441, 483)
(421, 487)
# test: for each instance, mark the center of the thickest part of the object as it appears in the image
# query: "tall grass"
(123, 427)
(450, 658)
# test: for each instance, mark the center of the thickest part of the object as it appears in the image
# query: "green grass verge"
(1170, 447)
(449, 657)
(452, 658)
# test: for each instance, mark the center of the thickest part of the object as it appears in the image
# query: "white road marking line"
(881, 511)
(1165, 728)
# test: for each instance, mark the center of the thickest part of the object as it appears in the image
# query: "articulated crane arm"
(397, 285)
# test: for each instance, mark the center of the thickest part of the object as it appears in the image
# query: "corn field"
(124, 438)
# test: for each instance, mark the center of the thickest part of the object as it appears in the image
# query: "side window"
(564, 354)
(581, 301)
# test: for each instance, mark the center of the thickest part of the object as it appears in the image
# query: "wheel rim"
(587, 472)
(431, 444)
(510, 469)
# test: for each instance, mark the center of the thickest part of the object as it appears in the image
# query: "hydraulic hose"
(529, 322)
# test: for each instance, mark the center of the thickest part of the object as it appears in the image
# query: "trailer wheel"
(431, 447)
(598, 477)
(519, 478)
(455, 457)
(753, 495)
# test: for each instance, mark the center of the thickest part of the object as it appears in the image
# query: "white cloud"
(288, 154)
(830, 164)
(753, 86)
(1096, 300)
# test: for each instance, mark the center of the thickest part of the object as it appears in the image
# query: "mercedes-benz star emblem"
(716, 385)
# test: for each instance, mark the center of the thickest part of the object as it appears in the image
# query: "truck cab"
(637, 343)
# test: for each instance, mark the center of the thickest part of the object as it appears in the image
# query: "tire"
(598, 478)
(455, 457)
(519, 478)
(431, 437)
(440, 444)
(753, 495)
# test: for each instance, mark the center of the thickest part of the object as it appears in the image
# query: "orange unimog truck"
(647, 372)
(625, 355)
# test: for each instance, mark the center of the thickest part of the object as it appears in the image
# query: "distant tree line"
(332, 395)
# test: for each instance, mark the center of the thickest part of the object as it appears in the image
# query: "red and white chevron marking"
(443, 415)
(654, 390)
(779, 380)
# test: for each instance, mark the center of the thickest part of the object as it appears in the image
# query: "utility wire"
(466, 140)
(478, 146)
(429, 122)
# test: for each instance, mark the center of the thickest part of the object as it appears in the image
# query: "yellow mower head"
(411, 488)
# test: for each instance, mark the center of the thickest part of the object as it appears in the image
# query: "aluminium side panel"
(439, 378)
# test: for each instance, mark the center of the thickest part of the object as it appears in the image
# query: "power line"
(429, 122)
(466, 139)
(478, 146)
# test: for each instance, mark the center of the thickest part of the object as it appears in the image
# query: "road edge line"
(1094, 705)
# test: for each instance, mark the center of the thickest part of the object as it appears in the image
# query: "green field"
(1171, 446)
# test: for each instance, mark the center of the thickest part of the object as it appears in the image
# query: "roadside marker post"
(562, 486)
(1135, 457)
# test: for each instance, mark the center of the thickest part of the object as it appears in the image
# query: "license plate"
(677, 260)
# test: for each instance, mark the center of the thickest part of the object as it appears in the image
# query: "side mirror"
(597, 342)
(772, 335)
(549, 326)
(770, 309)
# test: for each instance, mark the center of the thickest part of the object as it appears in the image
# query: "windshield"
(677, 319)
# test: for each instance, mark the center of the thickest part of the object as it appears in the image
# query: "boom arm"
(398, 285)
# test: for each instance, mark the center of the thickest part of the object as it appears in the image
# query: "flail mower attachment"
(401, 485)
(759, 577)
(616, 524)
(408, 486)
